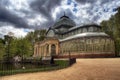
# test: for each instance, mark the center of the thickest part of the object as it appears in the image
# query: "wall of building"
(88, 45)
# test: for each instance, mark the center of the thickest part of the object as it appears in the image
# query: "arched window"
(51, 33)
(79, 31)
(53, 49)
(90, 29)
(84, 30)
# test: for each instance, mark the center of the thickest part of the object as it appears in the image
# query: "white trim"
(86, 34)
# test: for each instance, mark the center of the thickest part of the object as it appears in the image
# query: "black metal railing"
(33, 65)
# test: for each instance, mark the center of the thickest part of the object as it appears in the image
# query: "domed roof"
(64, 21)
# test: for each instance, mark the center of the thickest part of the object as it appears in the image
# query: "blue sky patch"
(75, 10)
(106, 10)
(69, 2)
(114, 9)
(26, 30)
(75, 5)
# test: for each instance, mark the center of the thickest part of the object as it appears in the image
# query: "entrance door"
(53, 49)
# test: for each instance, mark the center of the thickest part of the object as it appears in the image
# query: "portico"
(48, 47)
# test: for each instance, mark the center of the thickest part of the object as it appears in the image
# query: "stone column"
(38, 50)
(41, 51)
(57, 48)
(49, 50)
(45, 50)
(34, 52)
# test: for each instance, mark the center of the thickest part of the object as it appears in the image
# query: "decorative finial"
(64, 13)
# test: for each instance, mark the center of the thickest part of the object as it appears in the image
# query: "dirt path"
(84, 69)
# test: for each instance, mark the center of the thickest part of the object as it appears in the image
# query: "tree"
(37, 35)
(2, 48)
(21, 46)
(112, 27)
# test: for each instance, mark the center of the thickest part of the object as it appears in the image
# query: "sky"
(23, 16)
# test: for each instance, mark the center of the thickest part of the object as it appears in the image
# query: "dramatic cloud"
(17, 32)
(26, 15)
(8, 16)
(46, 9)
(93, 11)
(86, 1)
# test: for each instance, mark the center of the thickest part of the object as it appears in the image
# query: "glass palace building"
(65, 39)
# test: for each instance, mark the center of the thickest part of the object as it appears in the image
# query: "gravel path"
(84, 69)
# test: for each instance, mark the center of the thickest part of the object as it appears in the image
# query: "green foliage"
(117, 43)
(112, 27)
(62, 62)
(20, 46)
(2, 49)
(37, 35)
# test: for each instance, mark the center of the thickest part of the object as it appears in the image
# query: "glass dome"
(64, 21)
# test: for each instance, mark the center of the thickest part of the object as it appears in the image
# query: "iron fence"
(33, 65)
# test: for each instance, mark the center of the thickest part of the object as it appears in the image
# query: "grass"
(59, 64)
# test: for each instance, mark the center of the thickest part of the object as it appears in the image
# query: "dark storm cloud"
(45, 7)
(4, 2)
(41, 7)
(95, 18)
(50, 23)
(8, 16)
(86, 1)
(62, 12)
(92, 1)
